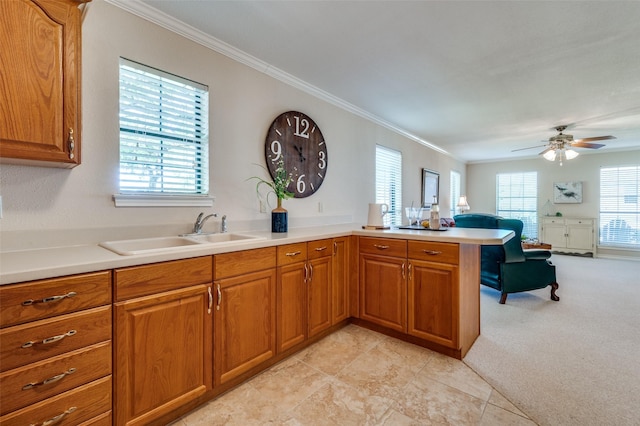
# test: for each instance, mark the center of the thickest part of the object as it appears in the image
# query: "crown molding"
(157, 17)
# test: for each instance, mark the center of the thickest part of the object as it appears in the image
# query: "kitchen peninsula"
(238, 308)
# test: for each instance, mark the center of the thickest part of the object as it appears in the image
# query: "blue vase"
(279, 220)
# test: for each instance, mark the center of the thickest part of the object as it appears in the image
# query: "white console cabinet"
(570, 235)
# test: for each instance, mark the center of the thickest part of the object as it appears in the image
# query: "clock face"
(295, 139)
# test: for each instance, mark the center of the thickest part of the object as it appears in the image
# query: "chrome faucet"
(197, 226)
(223, 224)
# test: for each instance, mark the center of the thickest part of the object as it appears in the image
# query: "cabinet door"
(580, 236)
(292, 305)
(40, 45)
(554, 234)
(383, 291)
(319, 287)
(340, 272)
(163, 353)
(433, 302)
(245, 323)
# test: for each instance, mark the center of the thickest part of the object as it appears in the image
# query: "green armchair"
(508, 268)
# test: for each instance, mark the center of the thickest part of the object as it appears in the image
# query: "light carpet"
(572, 362)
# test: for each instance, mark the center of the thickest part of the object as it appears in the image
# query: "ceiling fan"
(560, 146)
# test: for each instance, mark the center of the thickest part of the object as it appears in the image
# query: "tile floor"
(358, 377)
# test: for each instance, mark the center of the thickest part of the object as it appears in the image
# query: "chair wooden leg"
(554, 287)
(503, 298)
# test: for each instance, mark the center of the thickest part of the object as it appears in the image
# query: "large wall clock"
(296, 139)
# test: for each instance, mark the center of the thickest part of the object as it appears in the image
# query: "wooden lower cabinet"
(56, 350)
(341, 272)
(163, 341)
(245, 313)
(432, 302)
(304, 294)
(383, 291)
(292, 305)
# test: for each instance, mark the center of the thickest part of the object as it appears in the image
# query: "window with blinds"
(454, 196)
(517, 198)
(389, 183)
(620, 206)
(163, 132)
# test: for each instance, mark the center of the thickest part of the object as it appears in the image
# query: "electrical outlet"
(263, 207)
(320, 207)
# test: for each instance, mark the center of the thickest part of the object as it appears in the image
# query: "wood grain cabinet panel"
(41, 50)
(38, 340)
(163, 353)
(35, 382)
(340, 270)
(433, 302)
(84, 403)
(40, 299)
(245, 323)
(163, 338)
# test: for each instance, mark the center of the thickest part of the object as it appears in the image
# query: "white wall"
(243, 102)
(481, 181)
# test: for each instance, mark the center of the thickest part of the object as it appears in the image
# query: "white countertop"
(33, 264)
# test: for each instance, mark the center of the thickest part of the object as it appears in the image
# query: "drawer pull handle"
(49, 299)
(49, 380)
(57, 418)
(432, 252)
(210, 300)
(380, 247)
(321, 248)
(295, 253)
(51, 339)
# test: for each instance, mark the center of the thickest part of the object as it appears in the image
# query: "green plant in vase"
(279, 184)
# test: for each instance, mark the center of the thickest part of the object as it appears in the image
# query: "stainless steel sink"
(166, 244)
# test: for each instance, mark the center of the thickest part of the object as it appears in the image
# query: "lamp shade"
(571, 154)
(550, 155)
(463, 204)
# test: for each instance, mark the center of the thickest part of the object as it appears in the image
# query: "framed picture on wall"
(567, 192)
(430, 187)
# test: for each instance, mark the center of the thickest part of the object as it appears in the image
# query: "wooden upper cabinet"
(40, 50)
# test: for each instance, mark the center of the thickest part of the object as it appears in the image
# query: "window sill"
(155, 200)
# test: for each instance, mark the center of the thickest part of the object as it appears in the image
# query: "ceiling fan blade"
(531, 147)
(587, 145)
(546, 150)
(597, 138)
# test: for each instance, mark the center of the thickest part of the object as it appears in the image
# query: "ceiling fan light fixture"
(571, 154)
(550, 155)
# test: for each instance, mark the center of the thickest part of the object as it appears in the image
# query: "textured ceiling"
(475, 78)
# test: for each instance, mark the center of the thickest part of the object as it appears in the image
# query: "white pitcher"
(376, 213)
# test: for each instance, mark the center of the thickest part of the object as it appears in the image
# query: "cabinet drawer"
(243, 262)
(159, 277)
(434, 252)
(23, 344)
(36, 300)
(69, 408)
(53, 376)
(319, 248)
(383, 246)
(549, 220)
(291, 253)
(584, 222)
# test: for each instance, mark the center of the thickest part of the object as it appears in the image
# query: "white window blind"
(620, 206)
(163, 133)
(389, 183)
(455, 192)
(517, 198)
